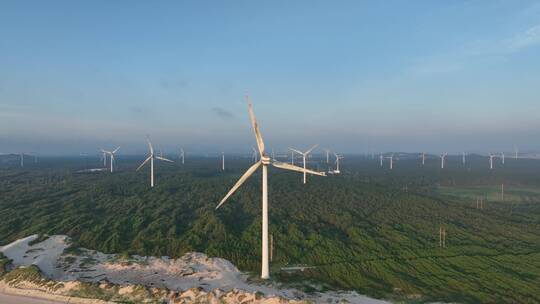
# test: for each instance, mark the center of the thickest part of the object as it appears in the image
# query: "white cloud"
(479, 51)
(525, 39)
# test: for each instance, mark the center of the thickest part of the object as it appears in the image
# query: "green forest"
(369, 229)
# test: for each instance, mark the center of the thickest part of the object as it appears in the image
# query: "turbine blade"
(299, 152)
(144, 162)
(114, 151)
(287, 166)
(311, 149)
(149, 145)
(164, 159)
(239, 183)
(255, 125)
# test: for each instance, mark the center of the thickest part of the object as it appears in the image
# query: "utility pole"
(442, 237)
(271, 247)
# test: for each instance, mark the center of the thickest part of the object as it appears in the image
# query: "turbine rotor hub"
(265, 159)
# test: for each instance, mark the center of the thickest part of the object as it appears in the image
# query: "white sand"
(192, 270)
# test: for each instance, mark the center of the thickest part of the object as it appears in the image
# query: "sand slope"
(193, 270)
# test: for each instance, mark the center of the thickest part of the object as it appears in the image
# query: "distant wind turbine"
(443, 158)
(491, 156)
(338, 157)
(182, 155)
(423, 158)
(151, 158)
(463, 158)
(254, 155)
(327, 155)
(391, 157)
(502, 157)
(264, 162)
(381, 159)
(304, 156)
(111, 154)
(222, 161)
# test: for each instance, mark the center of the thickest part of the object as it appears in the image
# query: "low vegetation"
(370, 229)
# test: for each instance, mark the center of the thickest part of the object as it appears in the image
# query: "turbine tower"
(264, 162)
(151, 158)
(111, 154)
(502, 157)
(304, 156)
(22, 159)
(463, 158)
(423, 158)
(381, 159)
(491, 156)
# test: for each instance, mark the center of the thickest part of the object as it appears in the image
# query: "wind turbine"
(182, 155)
(222, 161)
(463, 158)
(254, 155)
(391, 157)
(304, 156)
(443, 158)
(264, 162)
(338, 157)
(292, 157)
(502, 157)
(111, 153)
(327, 155)
(104, 157)
(423, 158)
(151, 158)
(381, 159)
(22, 159)
(491, 156)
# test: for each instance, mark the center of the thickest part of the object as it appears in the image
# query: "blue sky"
(349, 75)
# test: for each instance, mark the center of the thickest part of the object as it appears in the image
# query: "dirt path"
(12, 299)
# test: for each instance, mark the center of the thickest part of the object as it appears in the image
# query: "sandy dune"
(193, 270)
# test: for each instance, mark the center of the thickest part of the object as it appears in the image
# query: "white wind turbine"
(104, 157)
(111, 154)
(182, 155)
(463, 158)
(151, 158)
(327, 155)
(338, 157)
(222, 161)
(443, 158)
(391, 157)
(264, 162)
(381, 159)
(254, 154)
(423, 158)
(304, 156)
(491, 156)
(502, 157)
(516, 152)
